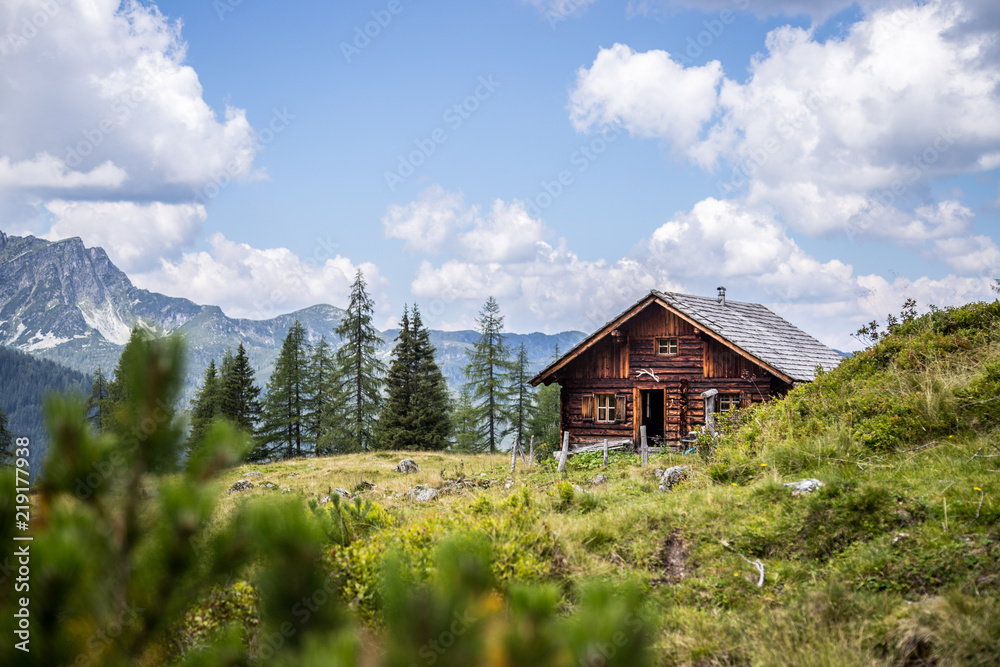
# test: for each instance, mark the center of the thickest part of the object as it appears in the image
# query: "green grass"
(894, 561)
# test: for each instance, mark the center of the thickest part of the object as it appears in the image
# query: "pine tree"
(98, 408)
(324, 401)
(488, 377)
(239, 395)
(467, 437)
(205, 406)
(284, 405)
(523, 396)
(6, 441)
(360, 370)
(415, 415)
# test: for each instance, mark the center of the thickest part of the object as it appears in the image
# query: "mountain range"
(70, 304)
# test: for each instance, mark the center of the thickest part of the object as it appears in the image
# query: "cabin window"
(727, 402)
(606, 407)
(666, 345)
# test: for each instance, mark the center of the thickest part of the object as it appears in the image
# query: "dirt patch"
(673, 560)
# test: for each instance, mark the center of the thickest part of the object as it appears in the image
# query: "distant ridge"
(68, 303)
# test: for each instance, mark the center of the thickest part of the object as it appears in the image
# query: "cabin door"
(652, 413)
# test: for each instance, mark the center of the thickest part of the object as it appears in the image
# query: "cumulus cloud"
(836, 135)
(105, 108)
(426, 223)
(258, 283)
(135, 236)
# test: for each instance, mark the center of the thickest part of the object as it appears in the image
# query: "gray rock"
(270, 486)
(292, 474)
(343, 493)
(600, 479)
(671, 477)
(423, 494)
(286, 490)
(804, 486)
(406, 466)
(240, 486)
(251, 474)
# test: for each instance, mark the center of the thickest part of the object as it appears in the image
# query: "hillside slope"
(894, 560)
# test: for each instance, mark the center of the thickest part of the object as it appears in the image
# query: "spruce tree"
(6, 441)
(488, 377)
(323, 405)
(118, 388)
(239, 395)
(284, 405)
(415, 415)
(361, 371)
(205, 406)
(523, 396)
(98, 408)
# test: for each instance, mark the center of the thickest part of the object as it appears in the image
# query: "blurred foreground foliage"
(131, 565)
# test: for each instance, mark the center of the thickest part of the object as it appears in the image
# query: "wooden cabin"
(666, 359)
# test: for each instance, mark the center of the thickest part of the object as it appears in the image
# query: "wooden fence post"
(605, 452)
(520, 450)
(644, 447)
(531, 452)
(513, 456)
(565, 452)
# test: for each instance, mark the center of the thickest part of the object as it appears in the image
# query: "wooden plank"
(565, 452)
(645, 446)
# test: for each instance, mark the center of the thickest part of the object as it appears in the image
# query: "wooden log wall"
(701, 363)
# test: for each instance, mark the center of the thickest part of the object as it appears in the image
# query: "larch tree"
(544, 421)
(324, 398)
(98, 409)
(282, 417)
(361, 372)
(522, 405)
(465, 430)
(488, 378)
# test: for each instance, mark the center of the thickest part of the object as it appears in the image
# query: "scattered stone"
(671, 477)
(251, 474)
(422, 493)
(286, 490)
(899, 537)
(577, 488)
(482, 474)
(270, 486)
(406, 466)
(363, 486)
(509, 484)
(292, 474)
(343, 493)
(600, 479)
(804, 486)
(658, 473)
(241, 485)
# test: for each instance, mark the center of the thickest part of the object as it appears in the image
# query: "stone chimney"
(722, 295)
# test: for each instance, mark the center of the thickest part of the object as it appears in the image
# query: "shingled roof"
(752, 329)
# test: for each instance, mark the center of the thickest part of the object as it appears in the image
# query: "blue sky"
(829, 159)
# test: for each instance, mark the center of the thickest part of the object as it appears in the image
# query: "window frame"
(734, 400)
(608, 409)
(672, 343)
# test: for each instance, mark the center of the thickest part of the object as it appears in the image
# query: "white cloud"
(254, 283)
(426, 223)
(828, 132)
(559, 10)
(135, 236)
(649, 93)
(48, 171)
(99, 97)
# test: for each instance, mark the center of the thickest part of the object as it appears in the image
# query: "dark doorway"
(652, 413)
